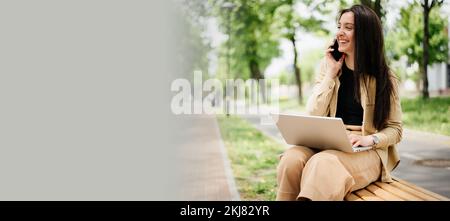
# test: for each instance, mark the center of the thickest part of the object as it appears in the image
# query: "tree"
(287, 23)
(375, 6)
(408, 39)
(427, 6)
(250, 42)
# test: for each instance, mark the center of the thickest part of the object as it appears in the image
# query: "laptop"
(315, 132)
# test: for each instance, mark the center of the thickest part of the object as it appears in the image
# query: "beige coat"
(323, 102)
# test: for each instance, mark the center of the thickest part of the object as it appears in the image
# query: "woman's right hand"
(333, 65)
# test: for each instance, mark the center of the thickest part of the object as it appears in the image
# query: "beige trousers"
(324, 175)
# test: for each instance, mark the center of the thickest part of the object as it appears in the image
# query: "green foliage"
(407, 39)
(250, 39)
(285, 78)
(287, 21)
(346, 3)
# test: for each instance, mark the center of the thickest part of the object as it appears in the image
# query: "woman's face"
(345, 34)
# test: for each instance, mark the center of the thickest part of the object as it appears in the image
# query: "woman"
(360, 89)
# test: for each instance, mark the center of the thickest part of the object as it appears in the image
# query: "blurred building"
(439, 75)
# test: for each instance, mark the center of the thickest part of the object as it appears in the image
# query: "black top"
(348, 108)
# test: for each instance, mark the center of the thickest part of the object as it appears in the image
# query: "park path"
(207, 174)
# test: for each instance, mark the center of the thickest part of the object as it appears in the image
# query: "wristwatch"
(376, 140)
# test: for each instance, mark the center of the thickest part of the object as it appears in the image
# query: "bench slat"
(367, 196)
(382, 193)
(398, 191)
(352, 197)
(419, 189)
(418, 194)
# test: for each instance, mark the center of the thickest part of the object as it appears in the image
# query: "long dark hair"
(370, 60)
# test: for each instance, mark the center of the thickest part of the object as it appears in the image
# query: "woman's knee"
(294, 158)
(324, 158)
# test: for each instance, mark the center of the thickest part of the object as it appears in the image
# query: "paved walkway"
(207, 174)
(415, 146)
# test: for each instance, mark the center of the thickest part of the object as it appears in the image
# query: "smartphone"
(336, 54)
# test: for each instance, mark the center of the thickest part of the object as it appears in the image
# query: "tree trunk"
(298, 79)
(418, 82)
(256, 74)
(426, 14)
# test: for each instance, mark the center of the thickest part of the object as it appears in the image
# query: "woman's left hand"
(358, 140)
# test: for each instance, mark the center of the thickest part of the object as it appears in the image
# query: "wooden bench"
(399, 190)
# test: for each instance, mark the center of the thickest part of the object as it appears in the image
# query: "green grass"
(432, 115)
(253, 157)
(286, 104)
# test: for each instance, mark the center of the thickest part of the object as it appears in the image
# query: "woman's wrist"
(375, 140)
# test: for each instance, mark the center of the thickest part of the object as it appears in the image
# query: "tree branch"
(433, 2)
(422, 3)
(436, 2)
